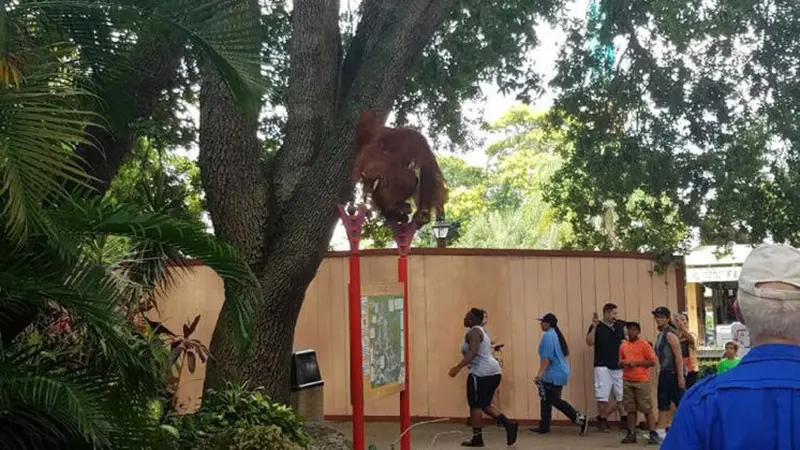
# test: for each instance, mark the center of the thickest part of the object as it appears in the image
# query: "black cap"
(662, 311)
(549, 318)
(633, 325)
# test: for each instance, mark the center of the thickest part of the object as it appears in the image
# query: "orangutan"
(396, 166)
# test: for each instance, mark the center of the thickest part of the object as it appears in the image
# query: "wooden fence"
(514, 287)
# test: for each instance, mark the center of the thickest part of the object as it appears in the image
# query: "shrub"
(254, 438)
(237, 408)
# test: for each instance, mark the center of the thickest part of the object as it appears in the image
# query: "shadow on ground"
(449, 437)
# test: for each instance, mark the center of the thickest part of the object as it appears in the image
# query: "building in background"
(712, 275)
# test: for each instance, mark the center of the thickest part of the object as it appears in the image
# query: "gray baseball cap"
(771, 263)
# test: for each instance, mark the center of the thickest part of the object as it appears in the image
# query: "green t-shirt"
(727, 364)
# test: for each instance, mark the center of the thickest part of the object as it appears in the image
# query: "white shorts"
(605, 380)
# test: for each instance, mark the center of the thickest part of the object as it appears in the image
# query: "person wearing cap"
(757, 404)
(553, 375)
(671, 375)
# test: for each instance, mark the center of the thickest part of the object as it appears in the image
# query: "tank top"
(666, 360)
(483, 364)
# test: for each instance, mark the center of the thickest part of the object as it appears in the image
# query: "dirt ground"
(449, 437)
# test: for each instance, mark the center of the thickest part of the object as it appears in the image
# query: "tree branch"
(313, 73)
(376, 84)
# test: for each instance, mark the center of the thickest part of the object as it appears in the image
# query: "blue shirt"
(549, 348)
(755, 405)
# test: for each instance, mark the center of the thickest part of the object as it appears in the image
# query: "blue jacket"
(549, 348)
(754, 406)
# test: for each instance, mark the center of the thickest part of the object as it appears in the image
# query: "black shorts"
(480, 390)
(668, 390)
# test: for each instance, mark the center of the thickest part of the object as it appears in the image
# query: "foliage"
(74, 370)
(483, 42)
(161, 180)
(236, 408)
(693, 129)
(254, 438)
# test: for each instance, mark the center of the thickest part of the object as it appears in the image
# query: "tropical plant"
(236, 408)
(74, 370)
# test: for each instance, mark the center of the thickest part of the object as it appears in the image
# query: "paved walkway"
(449, 437)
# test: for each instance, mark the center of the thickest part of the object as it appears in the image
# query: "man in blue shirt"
(755, 405)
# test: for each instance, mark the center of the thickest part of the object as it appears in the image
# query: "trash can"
(307, 386)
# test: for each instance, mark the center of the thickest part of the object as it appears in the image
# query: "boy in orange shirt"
(636, 357)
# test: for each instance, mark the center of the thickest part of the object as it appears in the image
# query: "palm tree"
(54, 232)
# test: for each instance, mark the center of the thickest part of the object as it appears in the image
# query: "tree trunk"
(283, 221)
(157, 61)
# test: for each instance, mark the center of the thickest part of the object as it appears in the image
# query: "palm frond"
(176, 239)
(224, 32)
(39, 127)
(57, 409)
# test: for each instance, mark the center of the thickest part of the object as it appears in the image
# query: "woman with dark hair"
(484, 378)
(553, 376)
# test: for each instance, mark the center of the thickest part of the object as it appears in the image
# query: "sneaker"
(540, 430)
(583, 422)
(654, 439)
(511, 433)
(473, 443)
(630, 438)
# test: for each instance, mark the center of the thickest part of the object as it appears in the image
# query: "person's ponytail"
(562, 341)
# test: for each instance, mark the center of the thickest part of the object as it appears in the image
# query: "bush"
(707, 367)
(237, 408)
(254, 438)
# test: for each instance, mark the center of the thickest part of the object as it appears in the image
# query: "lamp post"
(441, 230)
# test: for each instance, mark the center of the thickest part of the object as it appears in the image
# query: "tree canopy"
(692, 129)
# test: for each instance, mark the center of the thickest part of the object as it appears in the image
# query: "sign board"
(712, 274)
(382, 339)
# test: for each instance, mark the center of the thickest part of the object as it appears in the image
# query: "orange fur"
(397, 165)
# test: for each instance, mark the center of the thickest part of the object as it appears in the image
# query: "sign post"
(353, 219)
(403, 235)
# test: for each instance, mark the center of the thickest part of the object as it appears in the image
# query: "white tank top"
(483, 364)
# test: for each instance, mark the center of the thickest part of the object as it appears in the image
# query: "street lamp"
(441, 230)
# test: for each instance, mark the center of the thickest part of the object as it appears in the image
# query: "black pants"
(669, 392)
(552, 398)
(691, 379)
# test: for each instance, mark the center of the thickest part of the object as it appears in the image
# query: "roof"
(712, 255)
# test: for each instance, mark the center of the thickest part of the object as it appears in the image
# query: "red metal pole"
(353, 223)
(403, 235)
(405, 394)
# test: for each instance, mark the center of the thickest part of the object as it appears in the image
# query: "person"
(606, 336)
(729, 359)
(756, 405)
(671, 376)
(636, 357)
(553, 375)
(495, 350)
(484, 377)
(688, 349)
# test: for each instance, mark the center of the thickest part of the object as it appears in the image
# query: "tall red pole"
(403, 235)
(354, 221)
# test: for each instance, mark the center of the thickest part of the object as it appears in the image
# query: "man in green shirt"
(729, 359)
